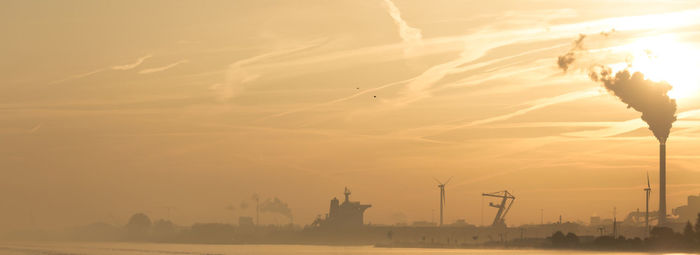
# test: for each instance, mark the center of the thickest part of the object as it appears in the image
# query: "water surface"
(63, 248)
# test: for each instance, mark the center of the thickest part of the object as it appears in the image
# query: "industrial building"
(690, 211)
(346, 215)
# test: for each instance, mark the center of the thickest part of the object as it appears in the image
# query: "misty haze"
(349, 127)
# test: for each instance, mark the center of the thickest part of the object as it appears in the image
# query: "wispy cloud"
(21, 130)
(477, 79)
(77, 76)
(621, 127)
(478, 44)
(534, 105)
(407, 33)
(475, 49)
(538, 104)
(241, 73)
(35, 128)
(163, 68)
(132, 65)
(335, 101)
(125, 67)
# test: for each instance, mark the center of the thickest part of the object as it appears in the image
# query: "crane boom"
(503, 207)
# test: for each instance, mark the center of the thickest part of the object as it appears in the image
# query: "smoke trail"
(564, 61)
(276, 206)
(645, 96)
(607, 33)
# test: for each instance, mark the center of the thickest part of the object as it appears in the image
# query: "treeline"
(140, 228)
(660, 238)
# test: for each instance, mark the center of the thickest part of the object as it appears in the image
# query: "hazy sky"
(108, 108)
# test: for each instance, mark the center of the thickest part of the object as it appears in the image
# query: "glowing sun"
(663, 58)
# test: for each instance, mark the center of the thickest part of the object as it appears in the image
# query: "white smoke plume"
(276, 205)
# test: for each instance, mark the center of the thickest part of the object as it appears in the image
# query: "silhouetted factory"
(346, 215)
(344, 223)
(688, 212)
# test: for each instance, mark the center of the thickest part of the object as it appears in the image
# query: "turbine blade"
(438, 181)
(448, 180)
(648, 184)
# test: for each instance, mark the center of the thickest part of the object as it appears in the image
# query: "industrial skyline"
(206, 112)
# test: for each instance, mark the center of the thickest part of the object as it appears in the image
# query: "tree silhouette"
(572, 239)
(163, 230)
(688, 233)
(139, 227)
(697, 228)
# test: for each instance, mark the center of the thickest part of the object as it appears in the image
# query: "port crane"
(506, 198)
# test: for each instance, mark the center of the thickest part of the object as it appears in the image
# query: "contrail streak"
(407, 33)
(163, 68)
(238, 74)
(538, 105)
(133, 65)
(460, 83)
(342, 99)
(130, 66)
(618, 128)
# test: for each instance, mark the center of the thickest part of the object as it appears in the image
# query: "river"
(64, 248)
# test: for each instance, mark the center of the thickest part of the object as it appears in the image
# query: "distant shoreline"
(378, 246)
(518, 247)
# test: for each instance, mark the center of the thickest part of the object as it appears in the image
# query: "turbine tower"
(646, 215)
(441, 185)
(256, 197)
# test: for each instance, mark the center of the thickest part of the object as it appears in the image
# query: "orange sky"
(115, 107)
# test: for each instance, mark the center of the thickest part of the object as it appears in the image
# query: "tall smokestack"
(662, 184)
(657, 108)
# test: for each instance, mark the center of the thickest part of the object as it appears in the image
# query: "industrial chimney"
(662, 184)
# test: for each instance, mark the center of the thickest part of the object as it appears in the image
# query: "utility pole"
(257, 211)
(614, 222)
(167, 210)
(541, 216)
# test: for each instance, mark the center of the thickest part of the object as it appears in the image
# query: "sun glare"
(664, 58)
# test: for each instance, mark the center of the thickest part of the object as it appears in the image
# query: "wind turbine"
(646, 215)
(256, 197)
(441, 185)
